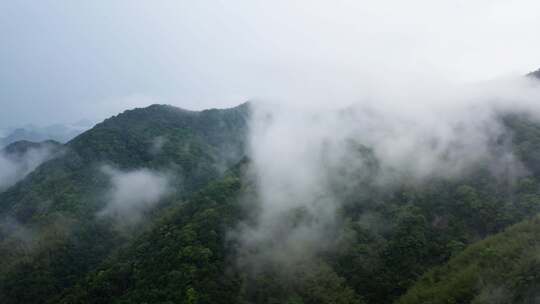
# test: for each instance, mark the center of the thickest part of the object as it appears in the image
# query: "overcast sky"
(61, 61)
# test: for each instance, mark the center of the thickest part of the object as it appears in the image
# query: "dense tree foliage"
(181, 260)
(504, 268)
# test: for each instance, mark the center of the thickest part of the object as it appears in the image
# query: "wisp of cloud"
(14, 168)
(133, 192)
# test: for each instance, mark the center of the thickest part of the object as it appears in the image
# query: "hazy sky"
(61, 61)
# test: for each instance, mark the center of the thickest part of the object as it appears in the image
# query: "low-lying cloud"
(133, 193)
(410, 131)
(14, 167)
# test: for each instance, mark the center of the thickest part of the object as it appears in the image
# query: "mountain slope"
(186, 251)
(54, 210)
(188, 257)
(182, 259)
(504, 268)
(197, 145)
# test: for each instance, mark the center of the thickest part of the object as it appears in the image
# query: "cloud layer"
(411, 130)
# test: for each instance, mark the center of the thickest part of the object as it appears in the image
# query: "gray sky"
(61, 61)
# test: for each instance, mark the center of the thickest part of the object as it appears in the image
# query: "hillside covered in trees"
(146, 207)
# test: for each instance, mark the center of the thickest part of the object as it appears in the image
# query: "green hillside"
(186, 258)
(182, 259)
(56, 248)
(504, 268)
(53, 233)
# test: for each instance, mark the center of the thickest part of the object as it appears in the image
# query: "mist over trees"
(267, 203)
(270, 152)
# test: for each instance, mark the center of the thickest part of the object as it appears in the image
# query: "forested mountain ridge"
(52, 231)
(188, 256)
(58, 247)
(152, 137)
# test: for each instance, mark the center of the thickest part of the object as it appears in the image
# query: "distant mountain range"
(57, 132)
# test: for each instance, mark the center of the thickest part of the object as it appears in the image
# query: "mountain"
(145, 208)
(188, 256)
(196, 145)
(54, 228)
